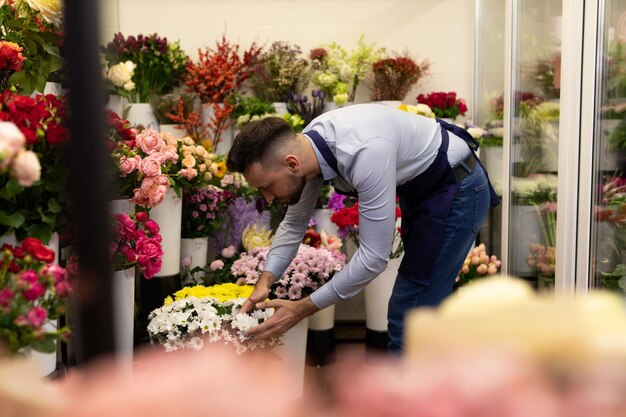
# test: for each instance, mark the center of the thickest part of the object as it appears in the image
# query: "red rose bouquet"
(33, 203)
(444, 105)
(32, 292)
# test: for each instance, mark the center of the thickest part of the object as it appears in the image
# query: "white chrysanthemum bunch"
(190, 322)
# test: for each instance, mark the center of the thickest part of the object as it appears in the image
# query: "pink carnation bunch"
(137, 243)
(310, 269)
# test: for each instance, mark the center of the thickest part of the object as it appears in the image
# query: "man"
(376, 152)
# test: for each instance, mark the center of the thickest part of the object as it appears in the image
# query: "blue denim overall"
(441, 216)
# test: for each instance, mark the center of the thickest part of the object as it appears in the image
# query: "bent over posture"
(373, 152)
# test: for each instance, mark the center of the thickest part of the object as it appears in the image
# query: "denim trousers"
(467, 212)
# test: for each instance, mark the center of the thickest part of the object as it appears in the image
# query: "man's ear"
(292, 162)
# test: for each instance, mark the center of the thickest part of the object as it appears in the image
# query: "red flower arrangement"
(393, 77)
(220, 72)
(190, 121)
(137, 243)
(32, 291)
(41, 119)
(347, 221)
(217, 76)
(444, 105)
(11, 60)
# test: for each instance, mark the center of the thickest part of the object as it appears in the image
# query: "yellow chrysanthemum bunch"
(254, 237)
(221, 292)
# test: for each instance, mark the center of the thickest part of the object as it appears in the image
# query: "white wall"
(440, 30)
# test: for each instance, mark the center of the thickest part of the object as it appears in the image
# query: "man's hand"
(260, 293)
(286, 315)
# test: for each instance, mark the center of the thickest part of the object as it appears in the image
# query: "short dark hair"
(257, 142)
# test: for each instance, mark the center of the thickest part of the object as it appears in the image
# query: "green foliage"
(25, 27)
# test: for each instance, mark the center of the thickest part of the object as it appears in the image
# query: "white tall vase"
(280, 107)
(121, 206)
(141, 114)
(322, 219)
(47, 362)
(196, 250)
(293, 352)
(116, 105)
(168, 216)
(226, 138)
(377, 294)
(123, 283)
(323, 319)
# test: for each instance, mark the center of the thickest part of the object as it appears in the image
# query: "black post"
(88, 186)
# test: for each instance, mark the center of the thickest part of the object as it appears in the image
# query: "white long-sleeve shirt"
(377, 148)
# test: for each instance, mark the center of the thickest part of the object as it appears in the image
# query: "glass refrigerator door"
(608, 231)
(533, 126)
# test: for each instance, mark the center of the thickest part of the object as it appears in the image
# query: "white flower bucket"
(527, 230)
(377, 294)
(329, 106)
(174, 130)
(195, 250)
(47, 362)
(121, 206)
(123, 287)
(226, 138)
(322, 218)
(116, 104)
(293, 352)
(8, 239)
(280, 107)
(323, 319)
(55, 89)
(141, 114)
(168, 216)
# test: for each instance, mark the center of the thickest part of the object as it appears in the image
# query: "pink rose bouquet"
(309, 270)
(148, 163)
(32, 291)
(137, 243)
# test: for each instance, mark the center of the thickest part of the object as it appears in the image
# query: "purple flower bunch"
(308, 110)
(310, 269)
(201, 209)
(240, 213)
